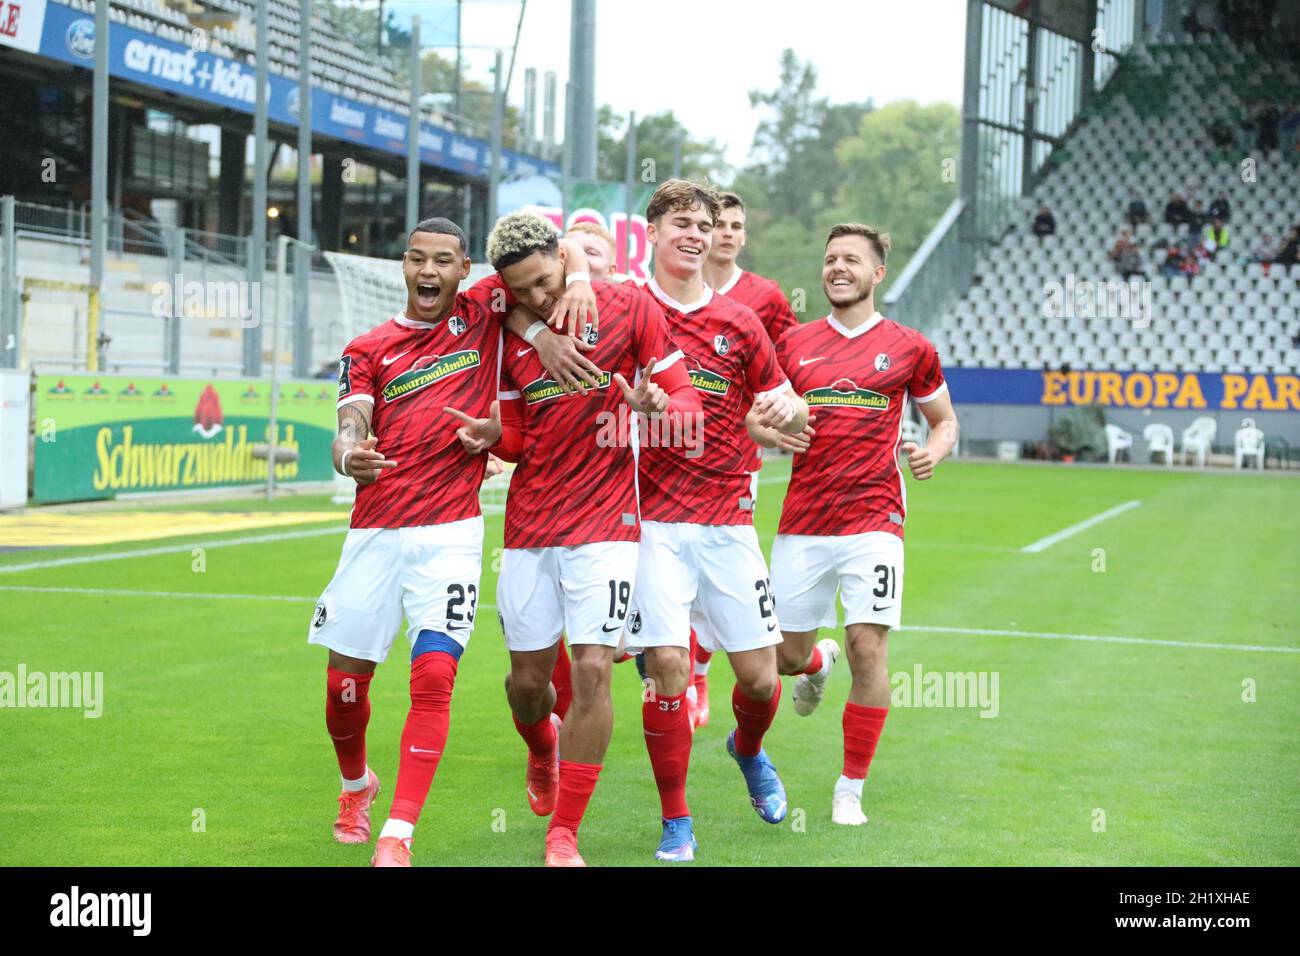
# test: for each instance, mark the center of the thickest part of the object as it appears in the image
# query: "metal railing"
(941, 268)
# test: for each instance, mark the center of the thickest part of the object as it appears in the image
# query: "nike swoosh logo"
(606, 629)
(417, 750)
(393, 358)
(809, 361)
(522, 352)
(771, 627)
(348, 737)
(876, 607)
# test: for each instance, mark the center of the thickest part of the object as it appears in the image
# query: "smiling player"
(700, 562)
(416, 533)
(842, 521)
(722, 273)
(570, 560)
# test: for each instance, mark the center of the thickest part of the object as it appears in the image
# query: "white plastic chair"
(1159, 438)
(1116, 441)
(1198, 438)
(1249, 443)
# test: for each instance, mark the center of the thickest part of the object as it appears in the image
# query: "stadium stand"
(338, 65)
(1149, 135)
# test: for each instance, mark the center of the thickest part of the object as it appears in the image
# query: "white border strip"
(1042, 544)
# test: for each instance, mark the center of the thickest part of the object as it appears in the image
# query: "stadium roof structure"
(204, 57)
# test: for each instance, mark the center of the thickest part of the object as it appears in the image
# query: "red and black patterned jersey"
(856, 383)
(409, 370)
(767, 300)
(730, 360)
(576, 480)
(765, 297)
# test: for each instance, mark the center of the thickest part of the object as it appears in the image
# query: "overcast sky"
(663, 54)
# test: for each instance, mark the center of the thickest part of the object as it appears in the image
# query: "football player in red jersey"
(416, 537)
(570, 561)
(598, 244)
(700, 562)
(842, 520)
(723, 275)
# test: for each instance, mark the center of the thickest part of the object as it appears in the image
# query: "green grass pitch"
(1100, 753)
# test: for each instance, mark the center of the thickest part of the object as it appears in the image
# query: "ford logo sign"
(81, 39)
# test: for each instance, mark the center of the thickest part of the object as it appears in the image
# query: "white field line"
(1042, 544)
(970, 631)
(1103, 639)
(170, 549)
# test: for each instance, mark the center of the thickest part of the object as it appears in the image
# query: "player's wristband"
(573, 277)
(343, 464)
(533, 331)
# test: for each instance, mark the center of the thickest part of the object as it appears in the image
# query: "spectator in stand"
(1222, 134)
(1196, 220)
(1265, 250)
(1289, 254)
(1221, 208)
(1288, 129)
(1176, 210)
(1190, 265)
(1267, 120)
(1126, 254)
(1215, 237)
(1044, 222)
(1173, 264)
(1248, 131)
(1137, 211)
(1191, 23)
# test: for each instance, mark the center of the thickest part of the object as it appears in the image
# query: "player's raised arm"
(781, 409)
(769, 437)
(354, 449)
(577, 307)
(560, 353)
(938, 411)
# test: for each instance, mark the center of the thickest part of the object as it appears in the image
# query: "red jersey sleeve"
(511, 444)
(356, 375)
(492, 295)
(763, 371)
(927, 375)
(779, 318)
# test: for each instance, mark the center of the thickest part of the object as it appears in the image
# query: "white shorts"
(710, 577)
(702, 633)
(866, 568)
(583, 590)
(431, 572)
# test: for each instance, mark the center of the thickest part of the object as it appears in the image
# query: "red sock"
(562, 683)
(862, 726)
(577, 781)
(425, 735)
(815, 664)
(694, 652)
(668, 740)
(540, 736)
(753, 717)
(347, 712)
(701, 655)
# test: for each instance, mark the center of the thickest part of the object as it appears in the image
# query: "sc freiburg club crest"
(882, 362)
